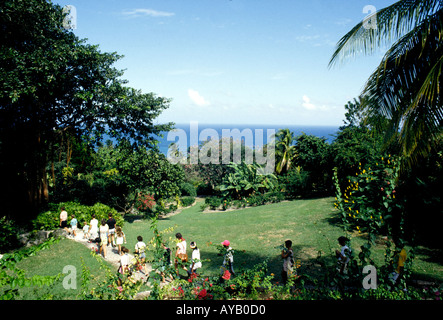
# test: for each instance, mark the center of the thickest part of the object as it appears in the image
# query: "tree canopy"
(406, 86)
(54, 84)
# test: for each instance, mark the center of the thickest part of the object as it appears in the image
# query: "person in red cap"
(228, 262)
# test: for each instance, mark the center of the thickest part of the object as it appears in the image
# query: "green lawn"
(312, 225)
(52, 261)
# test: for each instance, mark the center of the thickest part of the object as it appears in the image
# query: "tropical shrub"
(370, 199)
(187, 201)
(245, 180)
(187, 189)
(258, 199)
(145, 202)
(296, 183)
(213, 202)
(314, 156)
(8, 234)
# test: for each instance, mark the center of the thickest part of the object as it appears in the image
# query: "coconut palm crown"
(404, 92)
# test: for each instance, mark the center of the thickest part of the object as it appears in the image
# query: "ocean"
(194, 133)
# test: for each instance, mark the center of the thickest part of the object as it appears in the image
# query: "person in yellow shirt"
(399, 261)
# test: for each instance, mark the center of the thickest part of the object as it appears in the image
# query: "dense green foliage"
(48, 100)
(244, 180)
(406, 86)
(8, 234)
(50, 220)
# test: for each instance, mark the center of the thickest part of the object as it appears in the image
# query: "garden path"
(112, 255)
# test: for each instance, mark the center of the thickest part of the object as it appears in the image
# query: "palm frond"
(406, 88)
(392, 23)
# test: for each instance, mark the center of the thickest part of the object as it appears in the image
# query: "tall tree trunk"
(35, 175)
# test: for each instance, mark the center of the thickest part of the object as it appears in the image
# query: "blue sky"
(234, 61)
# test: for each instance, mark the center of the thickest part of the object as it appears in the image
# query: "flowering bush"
(145, 202)
(370, 198)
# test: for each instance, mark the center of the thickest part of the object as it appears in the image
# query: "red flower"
(192, 277)
(202, 294)
(226, 275)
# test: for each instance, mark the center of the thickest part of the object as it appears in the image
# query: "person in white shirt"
(140, 248)
(195, 258)
(343, 255)
(104, 228)
(64, 219)
(93, 228)
(124, 261)
(180, 252)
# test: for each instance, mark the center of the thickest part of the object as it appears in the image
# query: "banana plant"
(246, 179)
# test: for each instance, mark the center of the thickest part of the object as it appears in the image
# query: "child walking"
(400, 257)
(85, 230)
(120, 237)
(180, 252)
(228, 261)
(124, 261)
(74, 223)
(287, 255)
(343, 255)
(166, 263)
(140, 248)
(195, 258)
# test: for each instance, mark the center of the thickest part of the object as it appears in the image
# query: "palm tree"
(406, 87)
(284, 150)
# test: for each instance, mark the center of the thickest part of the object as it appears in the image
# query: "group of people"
(343, 257)
(287, 254)
(106, 233)
(181, 256)
(109, 234)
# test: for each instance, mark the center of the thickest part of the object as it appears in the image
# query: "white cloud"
(343, 22)
(307, 103)
(147, 12)
(197, 98)
(306, 38)
(194, 72)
